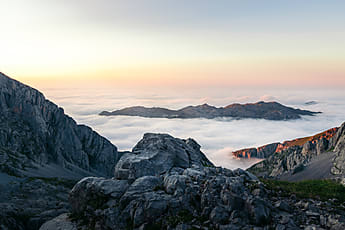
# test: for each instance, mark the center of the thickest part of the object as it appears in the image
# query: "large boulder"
(156, 154)
(188, 193)
(165, 182)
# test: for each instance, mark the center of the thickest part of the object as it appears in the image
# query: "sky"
(175, 43)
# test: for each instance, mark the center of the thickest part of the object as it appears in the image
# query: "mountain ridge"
(263, 110)
(321, 156)
(269, 149)
(34, 132)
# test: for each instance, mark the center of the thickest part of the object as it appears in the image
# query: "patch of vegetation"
(316, 189)
(331, 149)
(206, 164)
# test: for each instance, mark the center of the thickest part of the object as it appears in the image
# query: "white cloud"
(218, 137)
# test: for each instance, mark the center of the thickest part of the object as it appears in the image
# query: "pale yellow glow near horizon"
(39, 47)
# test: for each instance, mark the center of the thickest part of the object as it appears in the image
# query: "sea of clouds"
(217, 137)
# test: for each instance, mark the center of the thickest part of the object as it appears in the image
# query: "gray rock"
(295, 163)
(195, 197)
(282, 205)
(259, 211)
(61, 222)
(35, 133)
(156, 154)
(219, 215)
(339, 160)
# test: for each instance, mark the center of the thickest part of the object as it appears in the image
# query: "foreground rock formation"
(264, 110)
(319, 157)
(37, 138)
(186, 193)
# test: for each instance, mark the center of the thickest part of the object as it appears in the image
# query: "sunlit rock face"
(35, 133)
(319, 142)
(317, 157)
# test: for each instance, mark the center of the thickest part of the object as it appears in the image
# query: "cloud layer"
(218, 137)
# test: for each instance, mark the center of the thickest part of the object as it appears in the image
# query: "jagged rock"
(320, 142)
(189, 195)
(323, 152)
(260, 152)
(35, 133)
(156, 154)
(61, 222)
(38, 140)
(339, 160)
(259, 211)
(185, 189)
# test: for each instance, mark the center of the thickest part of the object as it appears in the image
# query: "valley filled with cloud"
(217, 137)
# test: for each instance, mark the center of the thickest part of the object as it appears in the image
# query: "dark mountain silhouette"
(264, 110)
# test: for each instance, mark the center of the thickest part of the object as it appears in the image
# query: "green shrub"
(316, 189)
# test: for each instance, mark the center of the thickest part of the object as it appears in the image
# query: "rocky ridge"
(263, 110)
(187, 193)
(38, 140)
(36, 134)
(318, 158)
(269, 149)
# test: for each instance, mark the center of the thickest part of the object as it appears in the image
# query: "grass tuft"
(316, 189)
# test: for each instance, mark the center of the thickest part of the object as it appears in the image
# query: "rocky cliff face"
(320, 156)
(36, 137)
(267, 150)
(186, 193)
(338, 167)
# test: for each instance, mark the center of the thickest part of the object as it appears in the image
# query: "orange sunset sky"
(174, 42)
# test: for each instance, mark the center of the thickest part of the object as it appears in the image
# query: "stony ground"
(188, 192)
(29, 202)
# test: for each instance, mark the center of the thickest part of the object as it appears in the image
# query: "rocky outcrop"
(35, 133)
(318, 141)
(338, 167)
(317, 157)
(156, 154)
(264, 110)
(260, 152)
(186, 193)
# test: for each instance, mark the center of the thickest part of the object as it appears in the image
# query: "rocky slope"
(267, 150)
(264, 110)
(187, 192)
(37, 138)
(321, 156)
(26, 203)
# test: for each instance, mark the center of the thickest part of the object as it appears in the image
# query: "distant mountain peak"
(262, 110)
